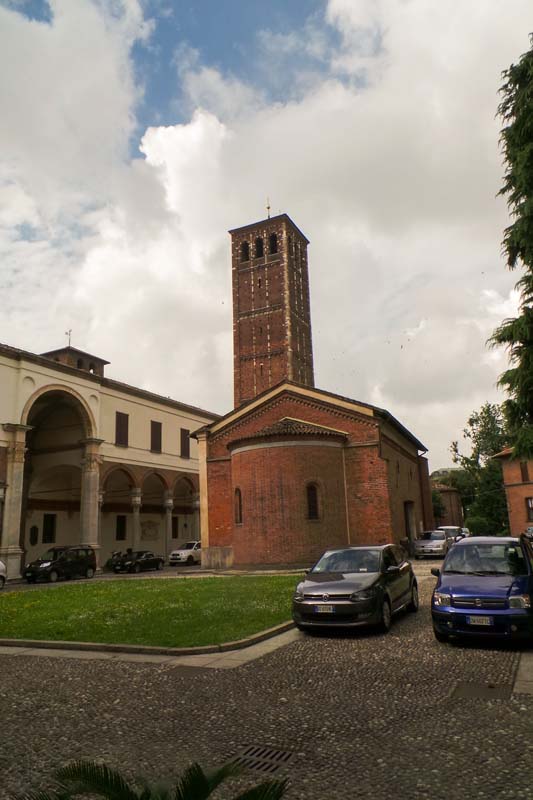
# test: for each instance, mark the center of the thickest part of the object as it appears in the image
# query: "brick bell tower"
(271, 311)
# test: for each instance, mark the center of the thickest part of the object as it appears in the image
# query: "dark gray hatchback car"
(355, 586)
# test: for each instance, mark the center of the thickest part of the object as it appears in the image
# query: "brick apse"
(293, 470)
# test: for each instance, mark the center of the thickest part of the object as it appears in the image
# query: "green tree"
(438, 506)
(516, 334)
(95, 779)
(480, 474)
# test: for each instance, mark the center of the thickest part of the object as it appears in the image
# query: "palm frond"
(193, 785)
(52, 794)
(90, 777)
(229, 770)
(269, 790)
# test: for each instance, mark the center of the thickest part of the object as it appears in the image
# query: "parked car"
(355, 586)
(431, 543)
(454, 532)
(3, 574)
(138, 561)
(485, 588)
(62, 562)
(188, 553)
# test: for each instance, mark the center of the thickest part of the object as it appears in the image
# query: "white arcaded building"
(86, 459)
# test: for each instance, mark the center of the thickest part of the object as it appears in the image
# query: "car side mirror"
(393, 569)
(435, 571)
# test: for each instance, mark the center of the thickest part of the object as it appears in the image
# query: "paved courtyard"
(364, 716)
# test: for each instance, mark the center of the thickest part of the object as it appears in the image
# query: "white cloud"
(387, 159)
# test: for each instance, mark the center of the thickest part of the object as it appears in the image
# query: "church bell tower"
(271, 310)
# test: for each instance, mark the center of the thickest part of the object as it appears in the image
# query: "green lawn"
(170, 613)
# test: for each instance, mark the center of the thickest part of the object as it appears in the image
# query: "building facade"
(518, 482)
(86, 459)
(293, 470)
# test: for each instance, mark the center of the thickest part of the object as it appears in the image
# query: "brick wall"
(518, 491)
(275, 527)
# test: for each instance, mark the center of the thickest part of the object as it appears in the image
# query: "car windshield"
(483, 558)
(349, 561)
(437, 536)
(187, 546)
(51, 555)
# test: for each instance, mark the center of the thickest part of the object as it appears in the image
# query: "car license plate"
(324, 609)
(479, 620)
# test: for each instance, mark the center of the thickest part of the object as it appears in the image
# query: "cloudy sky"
(135, 133)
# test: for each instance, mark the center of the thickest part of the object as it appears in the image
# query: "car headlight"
(442, 599)
(127, 563)
(365, 594)
(44, 564)
(520, 601)
(298, 596)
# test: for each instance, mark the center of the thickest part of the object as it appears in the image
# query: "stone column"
(168, 502)
(90, 495)
(196, 517)
(136, 501)
(10, 549)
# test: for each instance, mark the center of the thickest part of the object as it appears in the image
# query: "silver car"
(431, 543)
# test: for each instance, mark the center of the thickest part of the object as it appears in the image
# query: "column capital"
(92, 441)
(136, 498)
(20, 431)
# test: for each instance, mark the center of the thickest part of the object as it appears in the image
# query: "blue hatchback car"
(485, 588)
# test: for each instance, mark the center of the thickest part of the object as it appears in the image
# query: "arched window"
(245, 251)
(238, 507)
(259, 251)
(92, 368)
(312, 501)
(272, 243)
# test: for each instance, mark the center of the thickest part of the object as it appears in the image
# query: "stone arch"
(87, 416)
(125, 470)
(185, 480)
(154, 473)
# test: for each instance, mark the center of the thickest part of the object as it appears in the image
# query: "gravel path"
(366, 716)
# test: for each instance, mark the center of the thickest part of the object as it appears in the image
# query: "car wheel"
(440, 637)
(413, 605)
(89, 572)
(30, 580)
(53, 576)
(190, 560)
(2, 581)
(137, 568)
(386, 616)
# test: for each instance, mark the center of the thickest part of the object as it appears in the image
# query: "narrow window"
(238, 507)
(260, 369)
(259, 252)
(524, 471)
(259, 282)
(312, 501)
(185, 443)
(34, 535)
(529, 506)
(91, 368)
(155, 436)
(121, 429)
(272, 243)
(80, 363)
(245, 251)
(49, 528)
(175, 524)
(120, 528)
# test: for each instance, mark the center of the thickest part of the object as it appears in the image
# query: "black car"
(62, 562)
(139, 560)
(355, 586)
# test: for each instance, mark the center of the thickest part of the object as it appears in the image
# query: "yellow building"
(86, 459)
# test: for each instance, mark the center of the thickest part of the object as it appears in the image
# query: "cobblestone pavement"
(365, 716)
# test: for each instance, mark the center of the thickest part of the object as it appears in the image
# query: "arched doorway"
(59, 502)
(152, 521)
(116, 517)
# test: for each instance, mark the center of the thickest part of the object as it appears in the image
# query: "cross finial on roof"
(268, 208)
(68, 333)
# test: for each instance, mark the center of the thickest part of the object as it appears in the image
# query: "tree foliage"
(516, 334)
(438, 506)
(480, 477)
